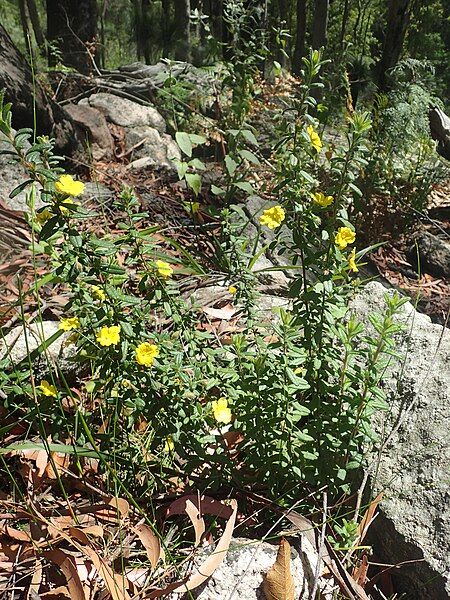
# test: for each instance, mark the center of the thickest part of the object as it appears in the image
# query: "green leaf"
(245, 186)
(16, 191)
(250, 137)
(194, 181)
(231, 165)
(197, 140)
(197, 164)
(217, 191)
(250, 156)
(184, 142)
(182, 168)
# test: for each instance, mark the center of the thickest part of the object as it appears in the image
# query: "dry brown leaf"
(68, 568)
(278, 583)
(150, 542)
(36, 580)
(197, 521)
(61, 461)
(82, 534)
(215, 559)
(117, 507)
(225, 313)
(115, 583)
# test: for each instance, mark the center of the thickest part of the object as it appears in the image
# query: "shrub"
(283, 403)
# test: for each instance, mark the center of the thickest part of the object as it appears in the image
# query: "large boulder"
(93, 125)
(124, 112)
(413, 463)
(431, 254)
(147, 144)
(24, 339)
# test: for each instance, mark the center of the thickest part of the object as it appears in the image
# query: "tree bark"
(181, 24)
(25, 28)
(165, 26)
(345, 14)
(398, 17)
(300, 36)
(72, 27)
(17, 80)
(36, 23)
(320, 24)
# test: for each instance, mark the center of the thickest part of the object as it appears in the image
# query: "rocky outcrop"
(413, 464)
(21, 340)
(241, 574)
(143, 126)
(431, 254)
(95, 129)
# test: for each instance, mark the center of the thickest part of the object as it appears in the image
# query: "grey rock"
(13, 174)
(241, 574)
(124, 112)
(149, 143)
(414, 465)
(93, 124)
(23, 339)
(96, 192)
(433, 254)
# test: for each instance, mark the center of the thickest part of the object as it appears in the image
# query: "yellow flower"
(43, 216)
(48, 389)
(67, 185)
(98, 293)
(109, 336)
(314, 137)
(272, 217)
(222, 413)
(164, 269)
(69, 323)
(64, 206)
(169, 446)
(344, 237)
(322, 200)
(352, 261)
(232, 290)
(146, 354)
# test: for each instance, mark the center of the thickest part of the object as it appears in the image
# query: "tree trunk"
(17, 80)
(300, 35)
(345, 14)
(25, 28)
(181, 26)
(320, 24)
(165, 26)
(398, 17)
(36, 23)
(72, 28)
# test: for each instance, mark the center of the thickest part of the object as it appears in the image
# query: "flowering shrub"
(160, 394)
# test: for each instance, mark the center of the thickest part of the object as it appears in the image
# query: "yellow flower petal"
(43, 216)
(109, 336)
(221, 412)
(322, 200)
(98, 293)
(232, 290)
(164, 269)
(69, 323)
(48, 389)
(344, 237)
(146, 353)
(67, 185)
(272, 217)
(314, 137)
(169, 446)
(352, 261)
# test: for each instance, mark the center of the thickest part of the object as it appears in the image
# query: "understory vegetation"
(159, 401)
